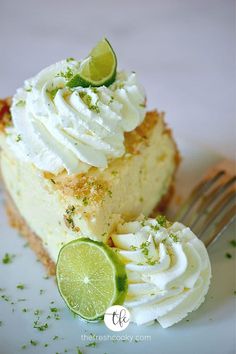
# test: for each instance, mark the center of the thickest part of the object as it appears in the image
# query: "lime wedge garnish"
(98, 69)
(90, 278)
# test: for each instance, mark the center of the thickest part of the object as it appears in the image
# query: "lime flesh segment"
(90, 278)
(98, 69)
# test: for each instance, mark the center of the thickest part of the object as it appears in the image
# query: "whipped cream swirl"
(58, 128)
(168, 270)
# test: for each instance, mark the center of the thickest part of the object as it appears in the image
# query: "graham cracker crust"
(35, 243)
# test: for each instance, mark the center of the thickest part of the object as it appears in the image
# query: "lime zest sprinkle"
(8, 298)
(8, 258)
(5, 297)
(40, 327)
(85, 201)
(92, 344)
(34, 342)
(162, 221)
(18, 138)
(151, 262)
(70, 209)
(120, 85)
(111, 100)
(233, 243)
(155, 227)
(174, 237)
(94, 89)
(68, 74)
(70, 59)
(20, 286)
(87, 99)
(20, 103)
(142, 105)
(144, 248)
(28, 89)
(54, 309)
(38, 312)
(52, 93)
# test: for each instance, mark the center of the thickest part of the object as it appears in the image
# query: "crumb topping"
(135, 139)
(84, 187)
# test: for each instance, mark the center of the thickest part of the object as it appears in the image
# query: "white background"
(182, 50)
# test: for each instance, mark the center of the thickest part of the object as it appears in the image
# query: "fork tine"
(196, 193)
(215, 212)
(208, 200)
(221, 226)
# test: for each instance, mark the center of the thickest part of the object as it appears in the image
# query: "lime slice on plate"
(98, 69)
(90, 278)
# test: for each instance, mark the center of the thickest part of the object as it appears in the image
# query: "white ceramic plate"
(209, 330)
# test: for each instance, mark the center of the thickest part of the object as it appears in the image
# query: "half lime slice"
(90, 278)
(98, 69)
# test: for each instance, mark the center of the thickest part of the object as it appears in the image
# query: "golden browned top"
(5, 115)
(85, 187)
(139, 136)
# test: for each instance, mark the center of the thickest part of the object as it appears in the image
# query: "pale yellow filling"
(138, 184)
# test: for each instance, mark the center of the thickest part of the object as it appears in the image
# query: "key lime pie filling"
(81, 157)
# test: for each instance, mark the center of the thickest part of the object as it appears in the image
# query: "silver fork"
(211, 207)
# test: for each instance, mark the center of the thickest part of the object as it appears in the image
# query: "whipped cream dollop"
(168, 270)
(56, 127)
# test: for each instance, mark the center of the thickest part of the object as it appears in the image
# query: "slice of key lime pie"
(79, 152)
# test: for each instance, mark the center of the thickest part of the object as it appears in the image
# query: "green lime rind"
(98, 69)
(78, 80)
(108, 283)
